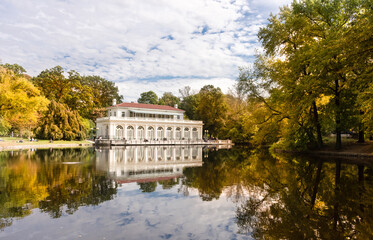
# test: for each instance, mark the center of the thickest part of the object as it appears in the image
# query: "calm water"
(182, 193)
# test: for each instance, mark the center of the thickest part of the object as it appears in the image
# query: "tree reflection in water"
(289, 197)
(305, 199)
(277, 197)
(39, 179)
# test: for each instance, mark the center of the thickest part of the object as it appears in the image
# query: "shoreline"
(20, 146)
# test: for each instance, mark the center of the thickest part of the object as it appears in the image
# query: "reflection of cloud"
(136, 215)
(130, 40)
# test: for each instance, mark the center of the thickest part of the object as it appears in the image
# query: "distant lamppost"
(206, 133)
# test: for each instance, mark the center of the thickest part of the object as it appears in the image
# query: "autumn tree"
(104, 91)
(305, 75)
(66, 90)
(60, 122)
(21, 103)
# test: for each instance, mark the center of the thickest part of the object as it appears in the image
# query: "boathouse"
(147, 122)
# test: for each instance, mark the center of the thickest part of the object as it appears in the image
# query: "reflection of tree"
(148, 186)
(37, 179)
(298, 199)
(168, 184)
(220, 170)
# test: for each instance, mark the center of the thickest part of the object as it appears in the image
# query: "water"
(182, 193)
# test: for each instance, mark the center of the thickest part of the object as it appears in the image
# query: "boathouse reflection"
(147, 163)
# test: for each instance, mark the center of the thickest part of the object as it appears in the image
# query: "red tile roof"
(148, 106)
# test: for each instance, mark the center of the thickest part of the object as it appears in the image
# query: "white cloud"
(127, 41)
(135, 215)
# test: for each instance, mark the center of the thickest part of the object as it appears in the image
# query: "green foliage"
(59, 122)
(104, 91)
(148, 98)
(148, 187)
(84, 94)
(15, 68)
(309, 73)
(189, 104)
(169, 99)
(211, 109)
(69, 91)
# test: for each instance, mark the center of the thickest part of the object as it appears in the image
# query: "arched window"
(130, 132)
(160, 154)
(140, 133)
(186, 134)
(151, 153)
(119, 132)
(178, 133)
(151, 133)
(160, 133)
(169, 133)
(140, 154)
(194, 134)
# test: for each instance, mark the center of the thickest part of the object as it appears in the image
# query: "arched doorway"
(119, 132)
(130, 132)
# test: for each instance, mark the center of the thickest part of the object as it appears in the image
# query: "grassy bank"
(8, 143)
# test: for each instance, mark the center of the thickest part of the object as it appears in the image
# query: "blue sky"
(158, 45)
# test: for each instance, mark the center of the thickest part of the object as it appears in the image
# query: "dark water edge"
(182, 193)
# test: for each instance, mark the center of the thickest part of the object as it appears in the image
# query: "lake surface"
(182, 193)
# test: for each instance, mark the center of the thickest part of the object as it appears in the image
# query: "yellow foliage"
(20, 101)
(323, 100)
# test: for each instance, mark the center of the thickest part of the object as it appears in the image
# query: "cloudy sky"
(141, 45)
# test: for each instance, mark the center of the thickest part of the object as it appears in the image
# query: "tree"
(148, 98)
(59, 122)
(169, 99)
(17, 69)
(306, 69)
(211, 109)
(53, 84)
(70, 91)
(20, 102)
(104, 91)
(148, 187)
(189, 102)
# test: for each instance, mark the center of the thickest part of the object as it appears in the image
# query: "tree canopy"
(149, 97)
(308, 77)
(59, 122)
(21, 103)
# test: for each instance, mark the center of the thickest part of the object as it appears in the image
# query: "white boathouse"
(147, 122)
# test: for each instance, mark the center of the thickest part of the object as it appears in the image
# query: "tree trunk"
(361, 130)
(317, 124)
(361, 189)
(338, 142)
(336, 195)
(317, 182)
